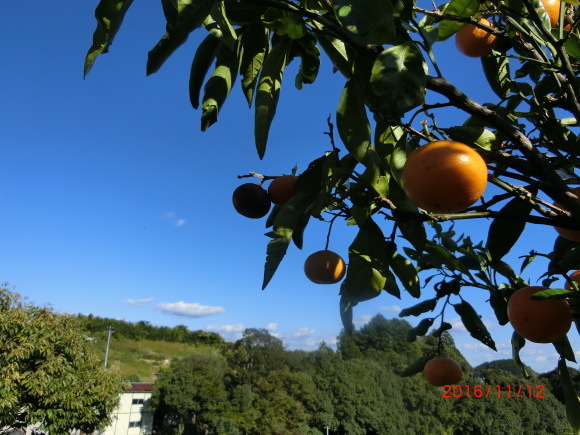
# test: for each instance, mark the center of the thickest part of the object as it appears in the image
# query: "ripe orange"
(567, 233)
(251, 200)
(324, 267)
(442, 371)
(473, 41)
(574, 276)
(282, 188)
(444, 176)
(542, 321)
(552, 8)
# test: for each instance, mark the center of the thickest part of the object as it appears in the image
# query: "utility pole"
(327, 428)
(109, 333)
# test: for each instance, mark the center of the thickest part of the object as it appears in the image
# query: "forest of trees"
(255, 385)
(144, 330)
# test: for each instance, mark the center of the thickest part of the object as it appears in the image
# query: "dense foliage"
(48, 375)
(396, 99)
(144, 330)
(255, 386)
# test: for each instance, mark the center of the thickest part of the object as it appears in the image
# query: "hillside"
(140, 361)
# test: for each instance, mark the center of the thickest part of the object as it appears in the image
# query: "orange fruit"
(442, 371)
(324, 267)
(542, 321)
(444, 176)
(574, 276)
(473, 41)
(282, 188)
(552, 8)
(251, 200)
(567, 233)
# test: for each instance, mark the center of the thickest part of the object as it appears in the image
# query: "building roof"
(139, 387)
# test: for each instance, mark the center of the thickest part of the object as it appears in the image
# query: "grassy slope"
(141, 360)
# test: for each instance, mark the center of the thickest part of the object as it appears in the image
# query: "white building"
(133, 416)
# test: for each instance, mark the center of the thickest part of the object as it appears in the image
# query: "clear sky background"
(115, 203)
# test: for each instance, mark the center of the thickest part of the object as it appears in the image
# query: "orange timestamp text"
(482, 391)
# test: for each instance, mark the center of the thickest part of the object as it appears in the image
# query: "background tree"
(191, 396)
(48, 374)
(391, 103)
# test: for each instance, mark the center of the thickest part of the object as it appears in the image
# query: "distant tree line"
(256, 386)
(144, 330)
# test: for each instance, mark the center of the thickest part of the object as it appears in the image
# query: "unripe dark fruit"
(251, 200)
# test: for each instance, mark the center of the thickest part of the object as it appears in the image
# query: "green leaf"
(479, 136)
(461, 8)
(416, 367)
(445, 257)
(219, 85)
(269, 86)
(420, 330)
(496, 68)
(473, 324)
(518, 342)
(346, 306)
(337, 52)
(183, 17)
(570, 396)
(406, 273)
(398, 80)
(504, 233)
(369, 21)
(368, 266)
(204, 57)
(564, 349)
(498, 302)
(351, 117)
(420, 308)
(109, 15)
(293, 217)
(564, 257)
(552, 293)
(254, 46)
(310, 55)
(572, 46)
(217, 24)
(284, 23)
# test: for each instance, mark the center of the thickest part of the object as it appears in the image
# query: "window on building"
(135, 424)
(138, 401)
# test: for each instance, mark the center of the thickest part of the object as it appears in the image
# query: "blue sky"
(116, 204)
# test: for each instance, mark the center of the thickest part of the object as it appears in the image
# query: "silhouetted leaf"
(416, 367)
(420, 308)
(269, 86)
(570, 396)
(204, 57)
(498, 302)
(564, 349)
(518, 342)
(496, 67)
(473, 323)
(504, 233)
(420, 330)
(369, 21)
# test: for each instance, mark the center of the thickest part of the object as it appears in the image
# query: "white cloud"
(171, 216)
(272, 326)
(391, 309)
(183, 309)
(138, 302)
(226, 328)
(301, 332)
(362, 320)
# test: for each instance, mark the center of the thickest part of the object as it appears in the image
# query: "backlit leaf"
(109, 15)
(398, 80)
(461, 8)
(369, 21)
(204, 57)
(269, 86)
(496, 67)
(254, 46)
